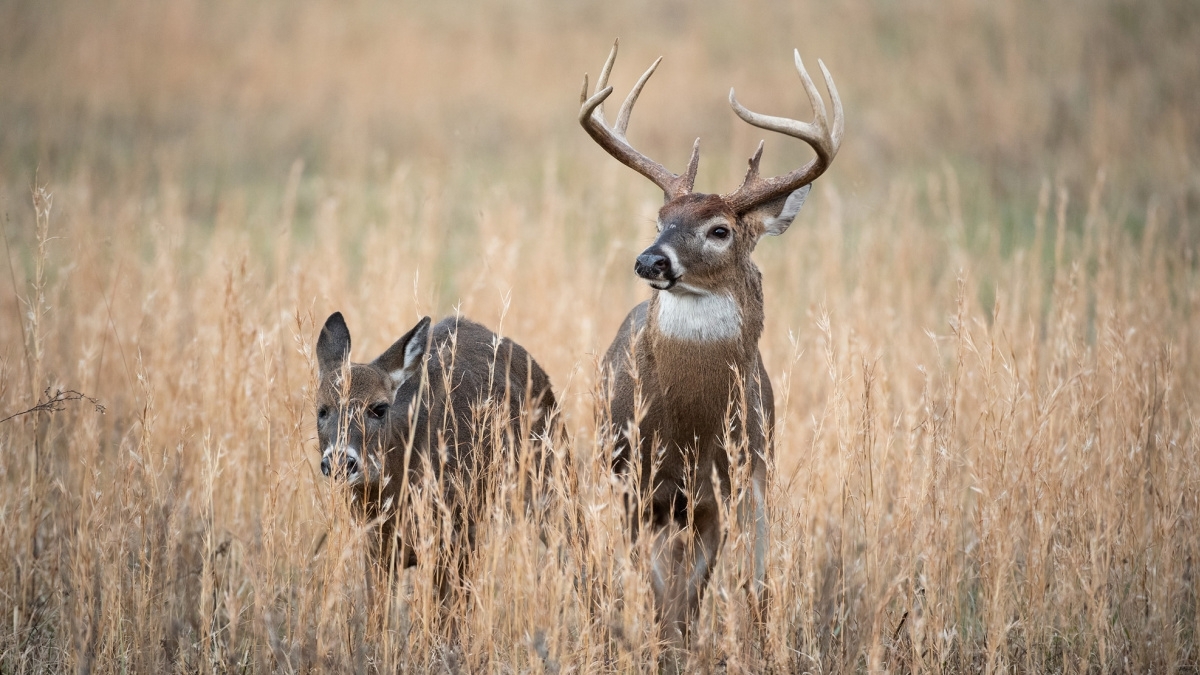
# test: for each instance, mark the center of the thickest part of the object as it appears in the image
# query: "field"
(983, 330)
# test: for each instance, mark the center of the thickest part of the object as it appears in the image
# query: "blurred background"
(220, 98)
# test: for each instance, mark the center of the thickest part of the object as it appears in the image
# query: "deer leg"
(703, 552)
(669, 574)
(681, 562)
(752, 521)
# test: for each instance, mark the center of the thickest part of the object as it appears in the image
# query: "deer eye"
(378, 411)
(719, 232)
(322, 413)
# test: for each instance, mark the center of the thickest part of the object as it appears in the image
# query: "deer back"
(470, 400)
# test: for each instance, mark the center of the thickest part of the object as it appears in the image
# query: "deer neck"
(701, 319)
(696, 338)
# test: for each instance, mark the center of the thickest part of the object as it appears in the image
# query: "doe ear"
(778, 224)
(403, 358)
(333, 345)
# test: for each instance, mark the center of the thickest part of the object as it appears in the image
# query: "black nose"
(652, 265)
(349, 465)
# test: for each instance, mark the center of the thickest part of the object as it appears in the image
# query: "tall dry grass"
(981, 331)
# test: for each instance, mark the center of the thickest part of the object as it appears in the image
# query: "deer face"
(697, 240)
(703, 244)
(352, 411)
(356, 403)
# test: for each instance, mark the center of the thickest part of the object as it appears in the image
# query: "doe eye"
(377, 411)
(322, 413)
(719, 232)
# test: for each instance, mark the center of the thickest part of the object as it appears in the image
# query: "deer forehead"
(695, 210)
(367, 385)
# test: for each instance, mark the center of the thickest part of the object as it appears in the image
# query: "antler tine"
(590, 108)
(839, 118)
(689, 177)
(602, 81)
(627, 106)
(612, 139)
(825, 141)
(752, 171)
(820, 120)
(596, 103)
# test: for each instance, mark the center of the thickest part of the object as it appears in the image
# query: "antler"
(756, 190)
(591, 116)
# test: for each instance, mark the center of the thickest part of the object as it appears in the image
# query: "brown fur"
(686, 391)
(442, 417)
(703, 358)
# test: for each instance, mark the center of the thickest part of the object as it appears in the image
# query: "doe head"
(357, 415)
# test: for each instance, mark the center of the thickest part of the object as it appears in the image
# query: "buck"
(453, 399)
(687, 391)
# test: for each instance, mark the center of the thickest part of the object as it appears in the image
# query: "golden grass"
(981, 331)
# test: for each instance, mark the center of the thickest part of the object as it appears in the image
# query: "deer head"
(356, 402)
(704, 241)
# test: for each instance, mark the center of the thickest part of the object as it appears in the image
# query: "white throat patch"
(699, 317)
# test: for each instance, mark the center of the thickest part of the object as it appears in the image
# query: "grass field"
(983, 330)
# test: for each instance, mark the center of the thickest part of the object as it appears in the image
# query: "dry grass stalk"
(986, 445)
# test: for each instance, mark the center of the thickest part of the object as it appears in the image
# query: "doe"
(453, 399)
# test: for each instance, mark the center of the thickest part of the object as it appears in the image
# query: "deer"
(442, 406)
(687, 394)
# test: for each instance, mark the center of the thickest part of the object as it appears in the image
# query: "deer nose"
(347, 464)
(652, 265)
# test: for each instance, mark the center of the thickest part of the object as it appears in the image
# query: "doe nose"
(349, 465)
(652, 263)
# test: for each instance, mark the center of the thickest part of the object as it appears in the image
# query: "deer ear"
(333, 345)
(778, 224)
(403, 358)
